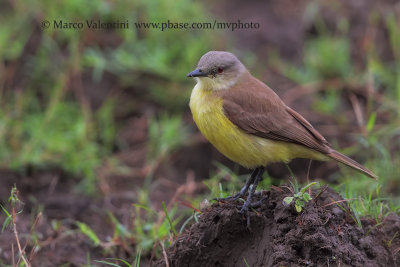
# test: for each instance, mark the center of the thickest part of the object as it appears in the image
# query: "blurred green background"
(96, 134)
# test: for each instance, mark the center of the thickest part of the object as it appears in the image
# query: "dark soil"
(321, 235)
(50, 193)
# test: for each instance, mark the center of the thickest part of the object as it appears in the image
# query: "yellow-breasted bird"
(248, 122)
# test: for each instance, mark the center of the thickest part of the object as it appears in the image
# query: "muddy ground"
(323, 234)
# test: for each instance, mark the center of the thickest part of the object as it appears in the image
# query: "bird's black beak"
(197, 73)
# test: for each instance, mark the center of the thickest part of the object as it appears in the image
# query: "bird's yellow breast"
(248, 150)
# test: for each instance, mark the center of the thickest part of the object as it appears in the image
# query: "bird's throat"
(214, 84)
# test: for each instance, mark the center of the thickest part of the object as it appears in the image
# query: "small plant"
(300, 198)
(11, 220)
(151, 227)
(219, 177)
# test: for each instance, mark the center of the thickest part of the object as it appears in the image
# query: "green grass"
(151, 228)
(166, 135)
(136, 263)
(50, 134)
(325, 57)
(86, 230)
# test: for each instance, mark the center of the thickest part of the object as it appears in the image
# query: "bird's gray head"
(218, 70)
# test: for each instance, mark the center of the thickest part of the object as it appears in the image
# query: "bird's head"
(218, 70)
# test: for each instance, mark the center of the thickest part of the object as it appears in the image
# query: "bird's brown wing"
(257, 110)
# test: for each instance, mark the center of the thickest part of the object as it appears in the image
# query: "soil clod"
(321, 235)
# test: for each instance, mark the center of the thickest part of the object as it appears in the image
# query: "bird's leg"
(248, 203)
(244, 189)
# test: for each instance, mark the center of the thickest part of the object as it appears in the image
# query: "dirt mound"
(321, 235)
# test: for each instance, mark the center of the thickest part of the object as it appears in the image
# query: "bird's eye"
(220, 70)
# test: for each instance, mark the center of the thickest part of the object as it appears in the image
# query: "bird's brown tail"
(351, 163)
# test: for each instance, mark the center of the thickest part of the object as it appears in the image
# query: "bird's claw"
(230, 198)
(248, 204)
(250, 187)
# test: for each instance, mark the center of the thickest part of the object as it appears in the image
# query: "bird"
(248, 122)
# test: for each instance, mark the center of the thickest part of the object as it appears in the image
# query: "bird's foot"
(250, 204)
(245, 188)
(250, 187)
(236, 196)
